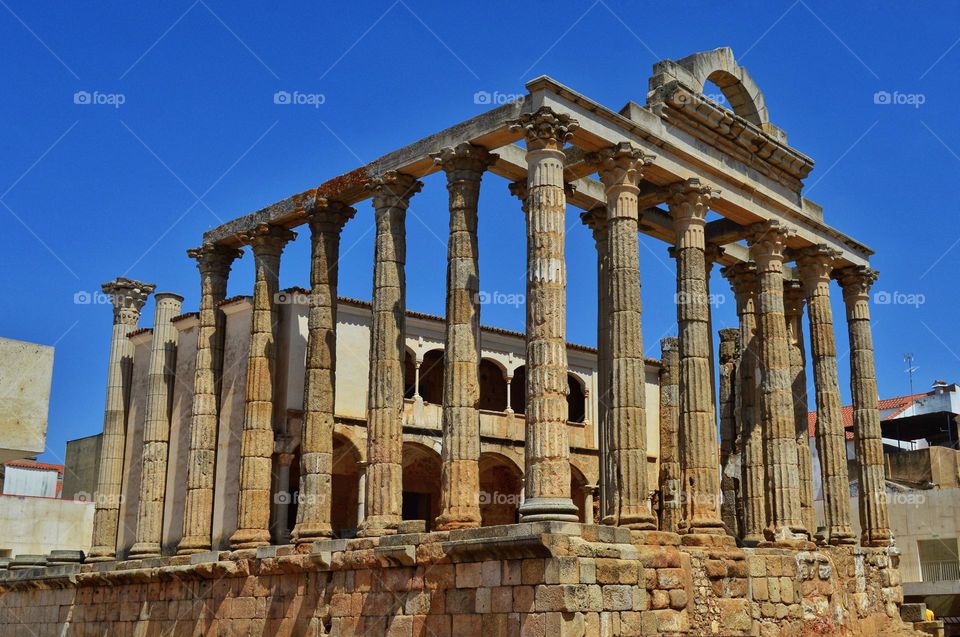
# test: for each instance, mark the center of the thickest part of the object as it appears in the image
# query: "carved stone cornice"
(729, 344)
(545, 129)
(127, 297)
(519, 190)
(464, 161)
(596, 220)
(393, 189)
(743, 279)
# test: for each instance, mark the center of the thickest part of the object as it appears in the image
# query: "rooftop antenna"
(908, 359)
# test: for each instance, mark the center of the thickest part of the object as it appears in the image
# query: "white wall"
(40, 525)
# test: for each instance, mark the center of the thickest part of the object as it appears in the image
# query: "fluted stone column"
(700, 476)
(767, 244)
(621, 168)
(319, 388)
(729, 352)
(793, 302)
(257, 443)
(815, 265)
(743, 279)
(670, 505)
(856, 282)
(214, 263)
(384, 476)
(127, 297)
(460, 475)
(596, 220)
(547, 452)
(156, 426)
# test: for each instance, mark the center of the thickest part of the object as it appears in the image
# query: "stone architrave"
(460, 474)
(793, 302)
(257, 438)
(214, 262)
(384, 475)
(547, 452)
(621, 168)
(815, 265)
(319, 389)
(670, 504)
(596, 220)
(127, 297)
(767, 244)
(743, 280)
(729, 483)
(856, 282)
(156, 427)
(700, 476)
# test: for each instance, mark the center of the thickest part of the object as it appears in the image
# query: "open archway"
(578, 492)
(493, 386)
(576, 399)
(345, 487)
(500, 483)
(421, 483)
(518, 390)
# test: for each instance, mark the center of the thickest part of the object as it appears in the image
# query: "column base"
(309, 533)
(101, 554)
(249, 539)
(141, 550)
(193, 545)
(377, 525)
(452, 521)
(876, 538)
(549, 509)
(843, 537)
(752, 540)
(642, 522)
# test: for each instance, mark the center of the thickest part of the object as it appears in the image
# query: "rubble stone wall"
(538, 579)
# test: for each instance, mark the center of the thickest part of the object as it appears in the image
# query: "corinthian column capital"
(545, 129)
(268, 239)
(596, 220)
(815, 265)
(214, 258)
(329, 216)
(856, 281)
(393, 189)
(794, 297)
(127, 297)
(464, 162)
(768, 242)
(690, 201)
(620, 167)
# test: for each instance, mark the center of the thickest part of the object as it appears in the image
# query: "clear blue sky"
(93, 191)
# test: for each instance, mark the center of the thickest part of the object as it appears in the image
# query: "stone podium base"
(534, 579)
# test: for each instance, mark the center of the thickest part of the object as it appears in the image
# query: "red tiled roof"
(33, 464)
(898, 403)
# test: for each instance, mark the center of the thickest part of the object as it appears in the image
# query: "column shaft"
(671, 512)
(257, 438)
(384, 476)
(793, 298)
(699, 469)
(815, 265)
(319, 388)
(156, 428)
(214, 264)
(767, 244)
(620, 169)
(867, 436)
(127, 297)
(729, 482)
(460, 475)
(743, 278)
(547, 452)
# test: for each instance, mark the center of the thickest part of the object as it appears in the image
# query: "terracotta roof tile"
(897, 403)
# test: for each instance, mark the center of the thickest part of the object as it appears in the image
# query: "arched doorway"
(431, 377)
(500, 483)
(493, 386)
(577, 491)
(421, 483)
(518, 390)
(576, 400)
(345, 487)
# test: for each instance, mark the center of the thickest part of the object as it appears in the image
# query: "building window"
(938, 560)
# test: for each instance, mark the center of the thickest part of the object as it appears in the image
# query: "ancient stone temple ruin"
(292, 462)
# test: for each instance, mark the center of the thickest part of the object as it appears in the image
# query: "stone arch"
(518, 390)
(577, 483)
(345, 485)
(720, 67)
(421, 482)
(576, 399)
(493, 385)
(501, 482)
(431, 377)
